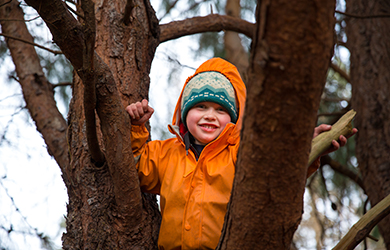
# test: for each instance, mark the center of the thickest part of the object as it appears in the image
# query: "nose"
(210, 114)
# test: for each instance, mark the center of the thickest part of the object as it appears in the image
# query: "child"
(193, 172)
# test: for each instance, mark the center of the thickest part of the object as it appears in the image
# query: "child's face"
(206, 120)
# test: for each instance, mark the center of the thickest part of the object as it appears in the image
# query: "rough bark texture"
(368, 42)
(292, 49)
(106, 209)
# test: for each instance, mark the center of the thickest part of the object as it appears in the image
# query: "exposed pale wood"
(324, 140)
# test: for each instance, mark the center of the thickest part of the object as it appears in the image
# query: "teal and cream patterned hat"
(210, 86)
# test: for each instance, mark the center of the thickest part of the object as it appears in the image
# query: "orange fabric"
(193, 194)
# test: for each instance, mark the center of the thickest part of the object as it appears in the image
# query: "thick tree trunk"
(368, 40)
(106, 208)
(292, 49)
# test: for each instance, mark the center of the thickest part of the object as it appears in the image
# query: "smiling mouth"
(208, 127)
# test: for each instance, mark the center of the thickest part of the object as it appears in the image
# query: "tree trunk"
(292, 49)
(235, 52)
(368, 40)
(106, 209)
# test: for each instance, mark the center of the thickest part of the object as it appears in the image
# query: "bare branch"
(74, 12)
(341, 72)
(336, 166)
(21, 20)
(66, 30)
(62, 84)
(1, 5)
(363, 16)
(37, 91)
(55, 52)
(363, 227)
(208, 23)
(170, 7)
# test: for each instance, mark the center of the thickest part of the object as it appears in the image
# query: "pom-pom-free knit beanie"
(210, 86)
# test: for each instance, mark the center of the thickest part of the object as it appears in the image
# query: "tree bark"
(106, 209)
(292, 49)
(368, 41)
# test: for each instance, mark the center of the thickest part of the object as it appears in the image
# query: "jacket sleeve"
(139, 136)
(147, 162)
(313, 167)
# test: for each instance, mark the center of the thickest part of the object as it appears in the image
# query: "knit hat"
(210, 86)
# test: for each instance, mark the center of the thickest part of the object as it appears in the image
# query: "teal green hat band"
(210, 86)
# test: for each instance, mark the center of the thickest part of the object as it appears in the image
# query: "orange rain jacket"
(193, 193)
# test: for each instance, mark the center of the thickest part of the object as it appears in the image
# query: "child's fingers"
(140, 112)
(145, 105)
(322, 128)
(131, 109)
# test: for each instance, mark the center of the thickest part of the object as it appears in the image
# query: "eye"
(200, 106)
(221, 110)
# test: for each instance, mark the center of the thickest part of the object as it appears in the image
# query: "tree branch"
(341, 72)
(208, 23)
(324, 140)
(55, 52)
(37, 91)
(336, 166)
(69, 36)
(89, 81)
(62, 84)
(363, 227)
(363, 16)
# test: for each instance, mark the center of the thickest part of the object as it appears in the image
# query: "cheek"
(224, 120)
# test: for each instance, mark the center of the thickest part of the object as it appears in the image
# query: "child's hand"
(140, 112)
(335, 144)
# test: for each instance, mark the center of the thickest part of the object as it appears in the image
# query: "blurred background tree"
(335, 195)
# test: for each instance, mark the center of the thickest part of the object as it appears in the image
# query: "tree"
(367, 33)
(106, 208)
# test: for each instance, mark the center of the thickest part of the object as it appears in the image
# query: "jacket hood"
(231, 73)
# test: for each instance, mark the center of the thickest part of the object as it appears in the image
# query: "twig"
(74, 12)
(363, 16)
(170, 7)
(55, 52)
(1, 5)
(363, 227)
(45, 240)
(341, 72)
(19, 20)
(62, 84)
(336, 166)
